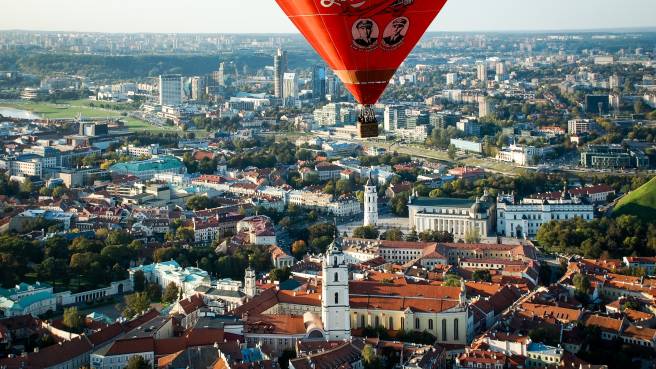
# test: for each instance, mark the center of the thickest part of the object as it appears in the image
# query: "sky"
(264, 16)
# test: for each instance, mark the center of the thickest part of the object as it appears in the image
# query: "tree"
(199, 203)
(581, 284)
(137, 362)
(482, 276)
(343, 186)
(393, 234)
(452, 152)
(280, 275)
(72, 319)
(472, 235)
(164, 254)
(136, 304)
(185, 234)
(452, 280)
(639, 106)
(412, 236)
(369, 358)
(118, 238)
(299, 248)
(154, 292)
(171, 293)
(366, 232)
(26, 187)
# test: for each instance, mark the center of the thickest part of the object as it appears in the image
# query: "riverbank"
(73, 108)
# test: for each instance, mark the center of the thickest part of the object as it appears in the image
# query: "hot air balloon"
(363, 41)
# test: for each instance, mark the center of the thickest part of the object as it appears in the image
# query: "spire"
(370, 181)
(336, 246)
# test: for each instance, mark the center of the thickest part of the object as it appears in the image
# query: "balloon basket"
(367, 123)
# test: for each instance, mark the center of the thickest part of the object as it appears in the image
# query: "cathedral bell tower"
(250, 283)
(335, 310)
(370, 203)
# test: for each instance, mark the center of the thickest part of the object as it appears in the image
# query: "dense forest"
(103, 67)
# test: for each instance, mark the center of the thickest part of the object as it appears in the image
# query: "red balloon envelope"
(363, 41)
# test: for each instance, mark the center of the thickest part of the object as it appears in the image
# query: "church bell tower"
(335, 310)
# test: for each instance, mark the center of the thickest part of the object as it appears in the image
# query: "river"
(17, 114)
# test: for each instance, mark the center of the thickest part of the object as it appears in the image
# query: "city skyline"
(168, 16)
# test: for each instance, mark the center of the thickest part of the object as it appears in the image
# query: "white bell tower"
(250, 283)
(370, 203)
(335, 310)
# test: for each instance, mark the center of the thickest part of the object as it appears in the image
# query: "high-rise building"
(484, 107)
(170, 90)
(451, 78)
(370, 203)
(279, 70)
(333, 87)
(319, 82)
(481, 72)
(197, 88)
(394, 118)
(469, 126)
(335, 309)
(290, 87)
(614, 81)
(501, 71)
(219, 75)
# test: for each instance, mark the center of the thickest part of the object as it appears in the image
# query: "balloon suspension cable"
(367, 114)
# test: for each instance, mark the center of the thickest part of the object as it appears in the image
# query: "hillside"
(641, 202)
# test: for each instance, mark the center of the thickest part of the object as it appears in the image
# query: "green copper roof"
(443, 202)
(157, 164)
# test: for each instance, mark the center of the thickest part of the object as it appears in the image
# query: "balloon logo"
(365, 34)
(395, 32)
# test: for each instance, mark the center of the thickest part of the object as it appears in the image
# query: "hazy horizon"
(264, 16)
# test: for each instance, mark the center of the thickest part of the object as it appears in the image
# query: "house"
(27, 299)
(646, 263)
(280, 258)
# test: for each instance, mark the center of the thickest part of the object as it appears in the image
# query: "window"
(455, 329)
(362, 321)
(335, 261)
(390, 324)
(376, 322)
(402, 324)
(443, 329)
(417, 323)
(430, 324)
(336, 298)
(336, 277)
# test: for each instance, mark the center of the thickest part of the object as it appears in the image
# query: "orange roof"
(603, 322)
(636, 315)
(275, 324)
(482, 288)
(647, 334)
(167, 360)
(562, 314)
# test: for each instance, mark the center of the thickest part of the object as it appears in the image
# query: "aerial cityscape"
(359, 190)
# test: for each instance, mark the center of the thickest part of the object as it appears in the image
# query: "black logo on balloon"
(395, 32)
(365, 34)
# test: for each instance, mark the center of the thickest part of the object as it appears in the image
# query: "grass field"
(64, 110)
(641, 203)
(71, 109)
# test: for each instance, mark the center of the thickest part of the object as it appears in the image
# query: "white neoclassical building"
(523, 219)
(456, 216)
